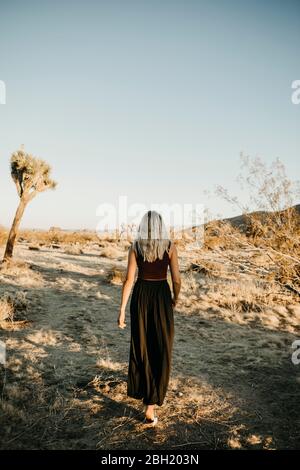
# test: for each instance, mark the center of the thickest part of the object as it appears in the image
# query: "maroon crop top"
(153, 270)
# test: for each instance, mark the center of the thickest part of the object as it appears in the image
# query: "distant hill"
(239, 220)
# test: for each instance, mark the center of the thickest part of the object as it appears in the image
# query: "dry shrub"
(222, 235)
(189, 283)
(111, 252)
(3, 235)
(73, 250)
(13, 306)
(21, 273)
(107, 363)
(108, 238)
(124, 244)
(245, 301)
(116, 275)
(182, 240)
(243, 296)
(273, 228)
(58, 236)
(15, 268)
(207, 267)
(6, 309)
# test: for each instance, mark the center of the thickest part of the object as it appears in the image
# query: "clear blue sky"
(150, 99)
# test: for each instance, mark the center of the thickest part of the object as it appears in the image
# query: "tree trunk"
(14, 230)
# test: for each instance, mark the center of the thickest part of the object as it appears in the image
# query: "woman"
(151, 312)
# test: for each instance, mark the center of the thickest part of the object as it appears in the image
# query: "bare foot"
(149, 413)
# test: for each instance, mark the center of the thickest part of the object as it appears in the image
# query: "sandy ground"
(233, 384)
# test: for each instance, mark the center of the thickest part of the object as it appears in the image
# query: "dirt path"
(64, 385)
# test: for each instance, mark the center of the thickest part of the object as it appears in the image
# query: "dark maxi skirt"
(151, 343)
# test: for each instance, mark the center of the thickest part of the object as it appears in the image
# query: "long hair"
(152, 238)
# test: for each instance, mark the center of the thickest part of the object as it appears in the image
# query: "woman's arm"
(127, 286)
(176, 279)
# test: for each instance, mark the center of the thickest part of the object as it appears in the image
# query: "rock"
(33, 248)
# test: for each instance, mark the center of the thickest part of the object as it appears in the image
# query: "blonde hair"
(152, 237)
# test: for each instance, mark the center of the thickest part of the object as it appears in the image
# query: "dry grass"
(116, 275)
(66, 378)
(57, 236)
(52, 236)
(6, 309)
(20, 272)
(3, 235)
(13, 306)
(111, 252)
(73, 250)
(233, 385)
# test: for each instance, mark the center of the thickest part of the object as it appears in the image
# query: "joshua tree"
(31, 176)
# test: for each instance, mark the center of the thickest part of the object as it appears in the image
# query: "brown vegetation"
(233, 384)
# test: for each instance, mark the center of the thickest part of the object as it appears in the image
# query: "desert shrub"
(73, 250)
(13, 306)
(3, 235)
(110, 252)
(116, 275)
(221, 234)
(271, 220)
(58, 236)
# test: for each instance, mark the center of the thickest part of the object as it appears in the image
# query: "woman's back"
(151, 311)
(154, 270)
